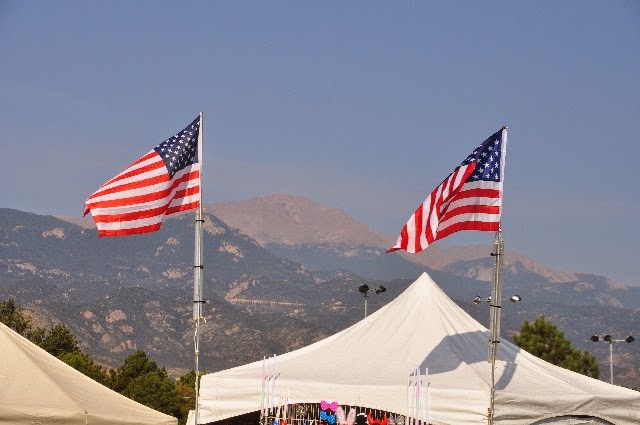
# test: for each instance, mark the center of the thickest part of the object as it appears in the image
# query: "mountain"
(123, 293)
(582, 304)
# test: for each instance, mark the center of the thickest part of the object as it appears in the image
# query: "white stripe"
(423, 234)
(463, 202)
(151, 160)
(460, 171)
(121, 209)
(186, 200)
(141, 191)
(478, 217)
(132, 224)
(411, 231)
(143, 206)
(162, 171)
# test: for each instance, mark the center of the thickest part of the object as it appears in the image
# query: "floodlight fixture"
(477, 299)
(381, 289)
(515, 298)
(607, 338)
(364, 288)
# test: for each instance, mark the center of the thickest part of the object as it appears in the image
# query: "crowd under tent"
(421, 357)
(37, 388)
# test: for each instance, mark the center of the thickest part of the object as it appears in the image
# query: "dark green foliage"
(135, 365)
(82, 363)
(155, 390)
(543, 339)
(186, 389)
(140, 379)
(12, 316)
(59, 340)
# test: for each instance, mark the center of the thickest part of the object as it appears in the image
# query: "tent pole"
(494, 320)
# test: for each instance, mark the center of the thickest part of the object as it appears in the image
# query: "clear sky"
(363, 106)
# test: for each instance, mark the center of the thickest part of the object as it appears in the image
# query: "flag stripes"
(470, 198)
(164, 181)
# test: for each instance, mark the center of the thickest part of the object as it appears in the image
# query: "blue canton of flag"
(487, 158)
(181, 150)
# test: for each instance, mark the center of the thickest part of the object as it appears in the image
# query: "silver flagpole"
(496, 306)
(197, 278)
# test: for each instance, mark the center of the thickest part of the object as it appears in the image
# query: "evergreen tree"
(82, 363)
(155, 390)
(136, 364)
(186, 389)
(13, 317)
(59, 340)
(544, 340)
(140, 379)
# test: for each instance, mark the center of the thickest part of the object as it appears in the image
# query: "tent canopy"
(369, 363)
(37, 388)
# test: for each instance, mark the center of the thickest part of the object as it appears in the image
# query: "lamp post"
(364, 289)
(607, 338)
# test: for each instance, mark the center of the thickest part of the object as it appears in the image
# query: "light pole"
(364, 289)
(607, 338)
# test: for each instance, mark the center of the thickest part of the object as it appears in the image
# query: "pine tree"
(544, 340)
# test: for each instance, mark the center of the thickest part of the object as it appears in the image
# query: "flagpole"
(494, 324)
(198, 269)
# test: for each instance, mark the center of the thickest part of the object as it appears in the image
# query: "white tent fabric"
(368, 365)
(37, 388)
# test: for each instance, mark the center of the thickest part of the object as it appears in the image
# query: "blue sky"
(363, 106)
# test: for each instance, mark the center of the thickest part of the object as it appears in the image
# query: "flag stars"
(181, 150)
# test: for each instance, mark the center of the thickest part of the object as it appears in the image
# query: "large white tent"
(368, 365)
(37, 388)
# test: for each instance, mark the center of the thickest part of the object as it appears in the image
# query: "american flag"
(164, 181)
(469, 199)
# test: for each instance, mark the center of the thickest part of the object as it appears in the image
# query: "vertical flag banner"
(164, 181)
(469, 199)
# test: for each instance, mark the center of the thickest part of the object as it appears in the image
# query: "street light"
(514, 299)
(607, 338)
(364, 289)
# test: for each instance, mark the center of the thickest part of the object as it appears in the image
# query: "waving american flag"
(164, 181)
(470, 198)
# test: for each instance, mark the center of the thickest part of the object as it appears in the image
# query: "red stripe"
(183, 193)
(471, 209)
(153, 196)
(127, 232)
(429, 229)
(135, 215)
(183, 207)
(479, 193)
(133, 185)
(146, 157)
(132, 171)
(404, 238)
(419, 229)
(483, 226)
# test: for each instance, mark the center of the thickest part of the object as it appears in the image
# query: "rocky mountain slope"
(120, 294)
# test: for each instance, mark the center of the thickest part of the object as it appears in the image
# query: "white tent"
(37, 388)
(368, 365)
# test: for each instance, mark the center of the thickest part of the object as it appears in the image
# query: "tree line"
(138, 378)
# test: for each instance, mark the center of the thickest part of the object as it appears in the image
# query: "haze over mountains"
(281, 272)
